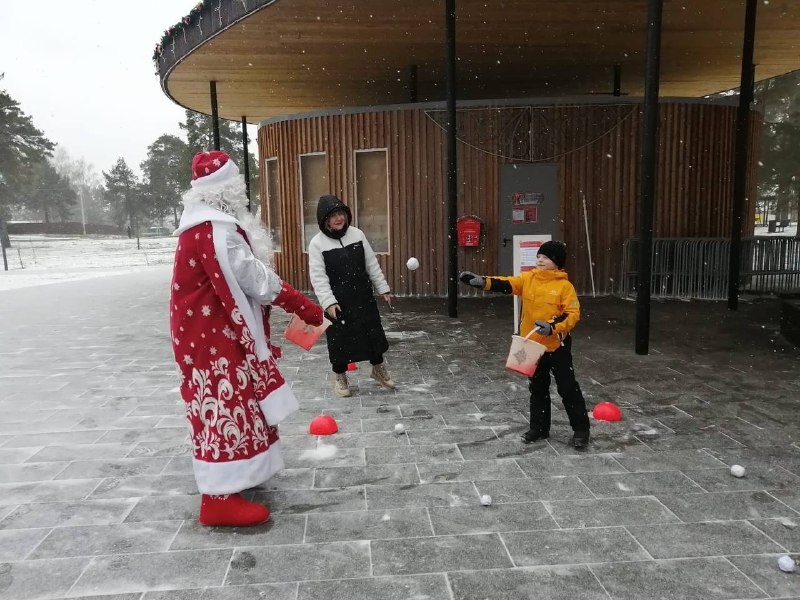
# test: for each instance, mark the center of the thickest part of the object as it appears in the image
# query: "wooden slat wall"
(598, 161)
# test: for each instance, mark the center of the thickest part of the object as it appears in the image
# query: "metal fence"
(698, 267)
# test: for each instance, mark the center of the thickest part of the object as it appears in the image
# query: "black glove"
(543, 328)
(473, 279)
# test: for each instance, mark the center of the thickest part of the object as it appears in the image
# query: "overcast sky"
(82, 70)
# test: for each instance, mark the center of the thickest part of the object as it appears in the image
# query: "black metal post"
(741, 154)
(413, 83)
(452, 164)
(617, 80)
(133, 221)
(246, 162)
(3, 240)
(648, 182)
(214, 115)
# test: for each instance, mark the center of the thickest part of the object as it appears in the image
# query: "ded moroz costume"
(222, 292)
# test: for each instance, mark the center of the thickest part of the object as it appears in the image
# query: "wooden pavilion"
(350, 100)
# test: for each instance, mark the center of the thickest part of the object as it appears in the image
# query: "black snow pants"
(560, 363)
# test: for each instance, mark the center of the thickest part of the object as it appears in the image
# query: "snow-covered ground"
(42, 259)
(761, 230)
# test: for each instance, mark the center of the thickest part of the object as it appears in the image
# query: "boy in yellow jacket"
(549, 307)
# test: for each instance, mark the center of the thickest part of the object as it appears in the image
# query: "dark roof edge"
(212, 21)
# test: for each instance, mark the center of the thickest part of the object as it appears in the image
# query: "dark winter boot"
(580, 440)
(231, 511)
(534, 435)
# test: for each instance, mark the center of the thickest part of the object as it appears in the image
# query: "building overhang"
(271, 58)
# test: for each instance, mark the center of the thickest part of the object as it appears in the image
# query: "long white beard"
(231, 199)
(260, 238)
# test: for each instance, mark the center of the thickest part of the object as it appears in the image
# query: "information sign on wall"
(526, 214)
(526, 250)
(526, 206)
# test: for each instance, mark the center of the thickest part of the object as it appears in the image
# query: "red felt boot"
(231, 511)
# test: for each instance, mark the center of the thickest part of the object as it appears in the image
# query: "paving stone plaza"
(97, 496)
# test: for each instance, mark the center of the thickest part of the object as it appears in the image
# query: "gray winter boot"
(341, 386)
(381, 375)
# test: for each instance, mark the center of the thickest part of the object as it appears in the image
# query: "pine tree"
(121, 196)
(200, 138)
(165, 176)
(51, 194)
(779, 175)
(21, 147)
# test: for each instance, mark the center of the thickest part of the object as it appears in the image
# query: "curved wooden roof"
(275, 57)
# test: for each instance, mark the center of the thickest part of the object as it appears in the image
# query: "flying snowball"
(412, 264)
(787, 564)
(399, 428)
(737, 470)
(486, 500)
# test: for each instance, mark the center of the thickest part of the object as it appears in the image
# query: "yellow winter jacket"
(547, 295)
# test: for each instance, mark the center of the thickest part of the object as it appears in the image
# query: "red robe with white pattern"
(234, 393)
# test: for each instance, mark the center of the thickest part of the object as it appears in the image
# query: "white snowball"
(486, 500)
(787, 564)
(737, 470)
(412, 264)
(399, 428)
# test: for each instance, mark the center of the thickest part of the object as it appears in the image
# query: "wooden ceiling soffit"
(277, 57)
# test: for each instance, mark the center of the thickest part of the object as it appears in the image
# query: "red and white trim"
(219, 478)
(256, 326)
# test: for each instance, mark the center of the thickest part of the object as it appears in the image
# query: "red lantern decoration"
(607, 411)
(323, 425)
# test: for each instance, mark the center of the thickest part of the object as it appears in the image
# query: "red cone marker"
(352, 366)
(607, 411)
(323, 425)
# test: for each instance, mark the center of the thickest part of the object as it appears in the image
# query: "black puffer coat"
(345, 271)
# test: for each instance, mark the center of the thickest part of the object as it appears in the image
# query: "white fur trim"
(252, 319)
(197, 213)
(227, 172)
(279, 405)
(237, 475)
(227, 203)
(260, 239)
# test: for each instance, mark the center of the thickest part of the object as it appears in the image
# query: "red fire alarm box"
(469, 231)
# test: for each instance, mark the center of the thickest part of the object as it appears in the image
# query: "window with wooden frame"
(372, 197)
(274, 217)
(313, 184)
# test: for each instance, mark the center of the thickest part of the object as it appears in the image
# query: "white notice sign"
(526, 249)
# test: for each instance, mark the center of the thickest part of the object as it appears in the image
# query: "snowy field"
(42, 259)
(761, 231)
